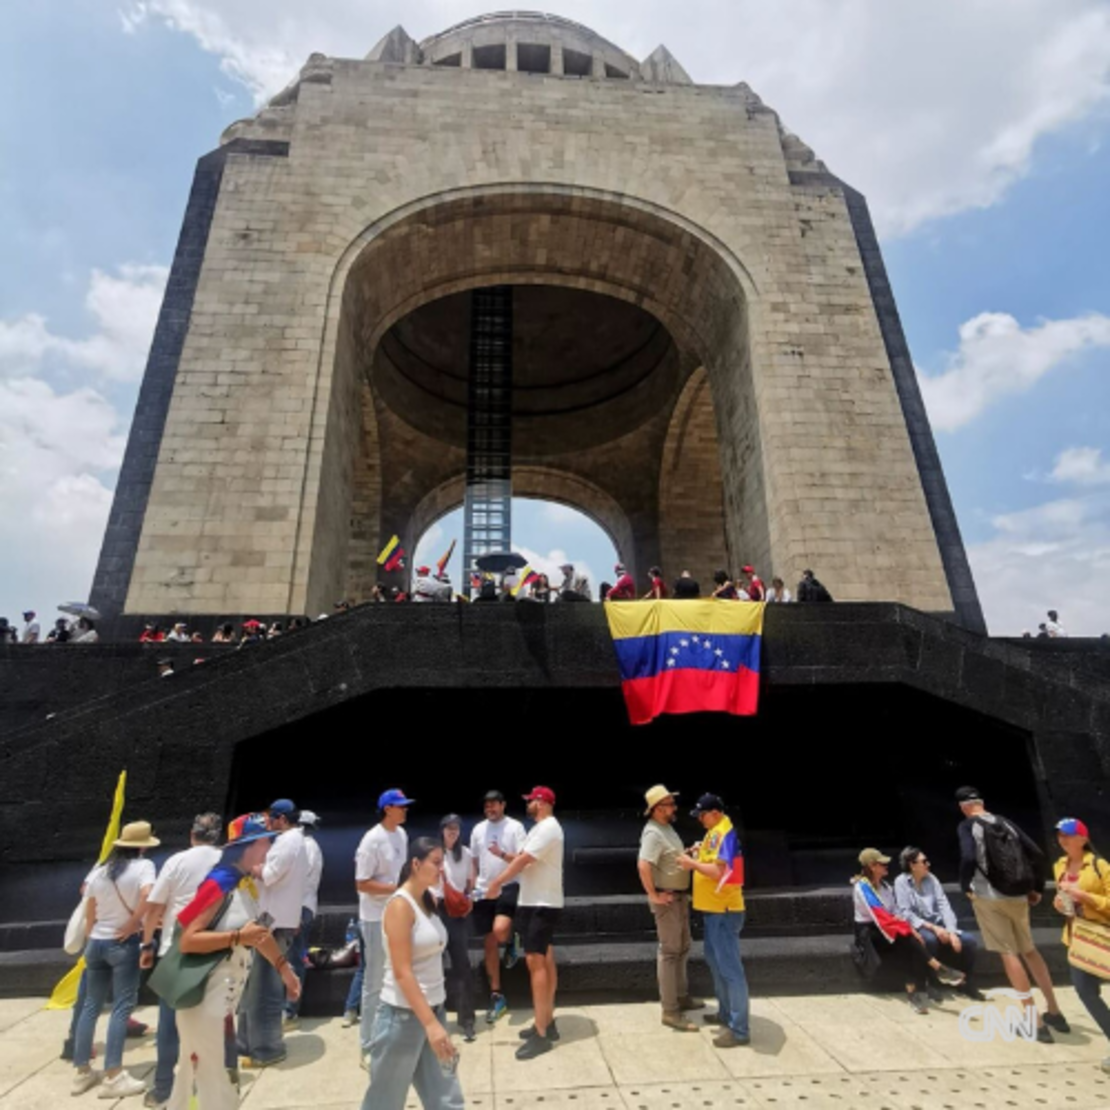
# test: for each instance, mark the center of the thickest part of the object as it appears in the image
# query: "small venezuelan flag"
(392, 554)
(687, 656)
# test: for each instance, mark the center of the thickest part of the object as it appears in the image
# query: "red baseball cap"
(749, 569)
(541, 794)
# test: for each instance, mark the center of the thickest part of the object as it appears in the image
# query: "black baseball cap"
(706, 803)
(968, 794)
(494, 796)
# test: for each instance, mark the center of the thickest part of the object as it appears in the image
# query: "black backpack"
(1009, 869)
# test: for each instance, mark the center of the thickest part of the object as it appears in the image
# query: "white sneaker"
(350, 1017)
(85, 1081)
(1106, 1065)
(121, 1086)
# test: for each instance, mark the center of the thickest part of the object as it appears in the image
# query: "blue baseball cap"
(394, 798)
(1072, 826)
(248, 828)
(283, 807)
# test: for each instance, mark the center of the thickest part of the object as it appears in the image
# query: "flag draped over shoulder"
(731, 854)
(887, 923)
(687, 656)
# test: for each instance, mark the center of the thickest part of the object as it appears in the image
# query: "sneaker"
(728, 1039)
(137, 1028)
(677, 1021)
(713, 1019)
(512, 952)
(1044, 1035)
(121, 1086)
(552, 1032)
(350, 1017)
(1057, 1022)
(498, 1007)
(85, 1081)
(253, 1062)
(949, 977)
(974, 993)
(1105, 1065)
(290, 1021)
(233, 1078)
(934, 992)
(468, 1032)
(534, 1046)
(153, 1101)
(918, 1003)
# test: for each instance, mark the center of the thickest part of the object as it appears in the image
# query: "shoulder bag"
(1089, 943)
(180, 978)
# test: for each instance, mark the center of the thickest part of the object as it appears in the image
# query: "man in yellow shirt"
(719, 896)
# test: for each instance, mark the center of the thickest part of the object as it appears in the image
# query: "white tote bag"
(77, 929)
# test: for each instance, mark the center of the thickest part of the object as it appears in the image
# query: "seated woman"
(921, 900)
(892, 937)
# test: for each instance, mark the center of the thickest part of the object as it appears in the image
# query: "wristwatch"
(148, 947)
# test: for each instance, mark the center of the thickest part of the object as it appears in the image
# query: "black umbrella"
(497, 562)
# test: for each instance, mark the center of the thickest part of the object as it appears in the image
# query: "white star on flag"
(724, 663)
(670, 662)
(718, 653)
(684, 643)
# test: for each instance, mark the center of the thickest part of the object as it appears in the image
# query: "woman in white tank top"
(409, 1045)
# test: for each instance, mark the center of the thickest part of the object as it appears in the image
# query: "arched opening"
(618, 305)
(548, 533)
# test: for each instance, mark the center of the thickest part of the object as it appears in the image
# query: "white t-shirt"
(177, 884)
(381, 859)
(773, 595)
(283, 879)
(31, 632)
(457, 872)
(112, 908)
(541, 882)
(311, 898)
(1055, 630)
(508, 834)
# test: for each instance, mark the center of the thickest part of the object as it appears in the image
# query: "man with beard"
(540, 867)
(667, 887)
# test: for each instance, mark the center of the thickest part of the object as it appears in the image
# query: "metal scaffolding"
(487, 516)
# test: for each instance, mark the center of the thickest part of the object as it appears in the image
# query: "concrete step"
(618, 969)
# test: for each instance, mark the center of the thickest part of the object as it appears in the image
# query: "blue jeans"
(78, 1006)
(964, 960)
(262, 1004)
(354, 996)
(1089, 989)
(297, 955)
(401, 1057)
(722, 953)
(112, 968)
(374, 944)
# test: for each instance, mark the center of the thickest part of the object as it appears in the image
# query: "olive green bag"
(181, 977)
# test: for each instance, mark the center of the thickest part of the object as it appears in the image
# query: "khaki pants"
(672, 923)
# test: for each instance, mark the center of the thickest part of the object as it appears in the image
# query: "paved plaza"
(832, 1051)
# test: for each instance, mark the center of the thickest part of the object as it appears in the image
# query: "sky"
(978, 131)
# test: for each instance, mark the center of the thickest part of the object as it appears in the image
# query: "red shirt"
(659, 587)
(624, 590)
(755, 590)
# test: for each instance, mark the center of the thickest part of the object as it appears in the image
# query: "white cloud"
(55, 451)
(124, 309)
(998, 357)
(1083, 465)
(430, 547)
(929, 107)
(1052, 556)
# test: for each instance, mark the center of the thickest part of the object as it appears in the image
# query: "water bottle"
(1067, 903)
(352, 932)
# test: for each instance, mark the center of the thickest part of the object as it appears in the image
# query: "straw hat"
(655, 795)
(136, 835)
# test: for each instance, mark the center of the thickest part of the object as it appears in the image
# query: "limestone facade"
(769, 429)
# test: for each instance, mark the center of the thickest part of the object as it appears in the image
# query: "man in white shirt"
(494, 844)
(173, 890)
(281, 881)
(1053, 626)
(31, 628)
(310, 900)
(540, 867)
(379, 861)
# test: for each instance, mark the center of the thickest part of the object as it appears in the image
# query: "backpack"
(1008, 869)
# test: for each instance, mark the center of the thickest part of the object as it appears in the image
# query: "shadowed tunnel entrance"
(818, 775)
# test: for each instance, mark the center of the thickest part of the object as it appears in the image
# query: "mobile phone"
(266, 919)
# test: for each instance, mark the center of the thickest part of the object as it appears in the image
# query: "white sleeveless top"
(429, 939)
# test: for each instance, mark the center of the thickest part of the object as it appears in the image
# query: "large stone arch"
(523, 235)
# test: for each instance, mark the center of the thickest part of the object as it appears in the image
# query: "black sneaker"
(468, 1032)
(918, 1003)
(713, 1019)
(552, 1032)
(1057, 1022)
(974, 993)
(534, 1046)
(1044, 1035)
(934, 992)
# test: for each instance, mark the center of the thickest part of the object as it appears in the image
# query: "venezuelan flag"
(732, 855)
(687, 656)
(889, 924)
(392, 554)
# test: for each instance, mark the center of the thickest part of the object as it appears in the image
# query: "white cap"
(309, 818)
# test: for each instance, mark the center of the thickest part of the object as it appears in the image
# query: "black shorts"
(485, 910)
(536, 925)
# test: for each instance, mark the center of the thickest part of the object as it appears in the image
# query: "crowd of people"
(80, 630)
(244, 912)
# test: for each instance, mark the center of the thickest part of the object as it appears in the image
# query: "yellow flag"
(64, 994)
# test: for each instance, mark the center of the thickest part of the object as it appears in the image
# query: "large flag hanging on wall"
(687, 656)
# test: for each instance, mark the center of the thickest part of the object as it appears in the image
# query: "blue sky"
(978, 131)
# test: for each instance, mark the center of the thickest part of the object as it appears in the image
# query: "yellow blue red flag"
(687, 656)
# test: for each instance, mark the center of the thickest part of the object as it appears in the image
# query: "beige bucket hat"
(655, 795)
(136, 835)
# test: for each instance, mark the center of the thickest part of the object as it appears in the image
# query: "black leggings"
(460, 974)
(906, 956)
